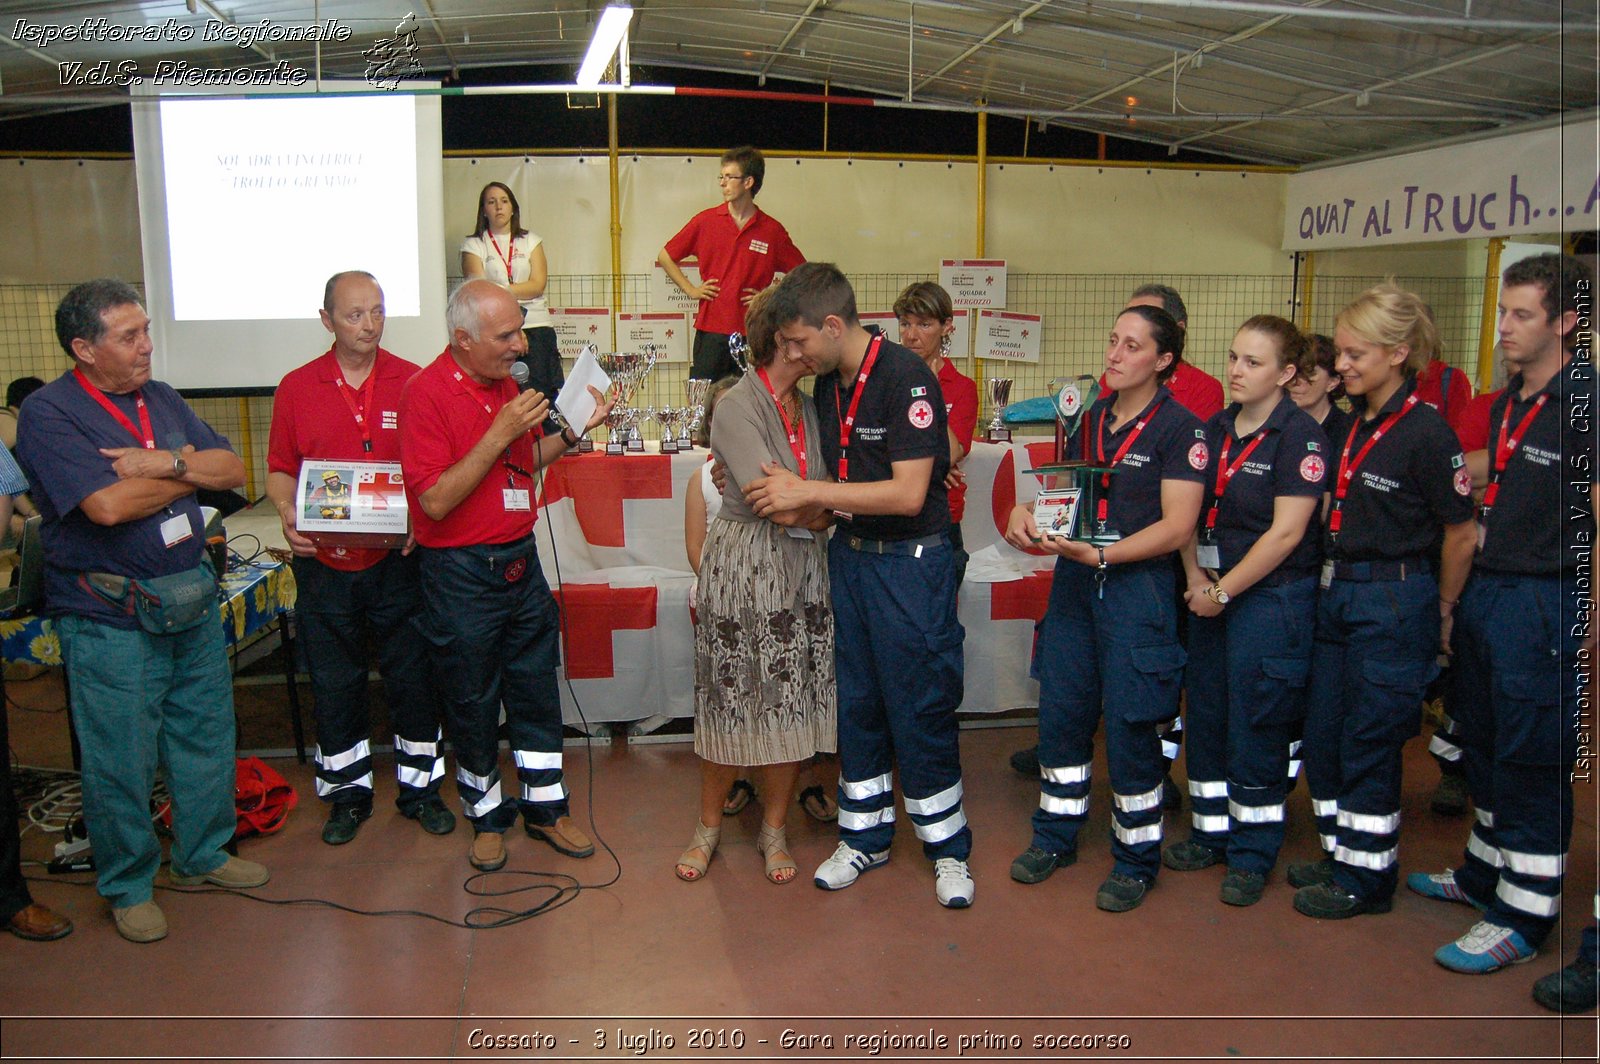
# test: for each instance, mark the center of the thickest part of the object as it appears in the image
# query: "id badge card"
(176, 529)
(1208, 556)
(516, 499)
(1327, 576)
(799, 533)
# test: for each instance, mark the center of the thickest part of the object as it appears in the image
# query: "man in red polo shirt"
(344, 405)
(738, 249)
(471, 449)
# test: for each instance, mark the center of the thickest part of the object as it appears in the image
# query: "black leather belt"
(1369, 572)
(911, 547)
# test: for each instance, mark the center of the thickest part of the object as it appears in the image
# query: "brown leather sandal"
(773, 844)
(705, 840)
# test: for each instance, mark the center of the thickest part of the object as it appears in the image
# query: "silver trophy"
(667, 418)
(627, 371)
(616, 424)
(739, 351)
(698, 388)
(999, 398)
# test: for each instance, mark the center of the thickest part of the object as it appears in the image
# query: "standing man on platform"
(471, 447)
(115, 458)
(898, 644)
(738, 249)
(345, 405)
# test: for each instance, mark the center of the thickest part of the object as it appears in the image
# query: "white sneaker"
(846, 866)
(952, 883)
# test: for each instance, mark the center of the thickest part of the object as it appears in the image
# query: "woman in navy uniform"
(1252, 588)
(1383, 616)
(1110, 634)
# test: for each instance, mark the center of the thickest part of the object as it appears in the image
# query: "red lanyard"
(358, 403)
(1507, 446)
(503, 256)
(1347, 468)
(1102, 509)
(144, 433)
(847, 421)
(1225, 473)
(797, 431)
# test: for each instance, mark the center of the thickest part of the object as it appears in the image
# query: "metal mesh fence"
(1077, 311)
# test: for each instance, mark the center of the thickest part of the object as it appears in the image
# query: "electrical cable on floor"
(563, 889)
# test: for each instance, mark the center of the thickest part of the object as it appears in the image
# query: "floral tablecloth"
(253, 596)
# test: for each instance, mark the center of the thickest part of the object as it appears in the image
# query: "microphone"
(519, 373)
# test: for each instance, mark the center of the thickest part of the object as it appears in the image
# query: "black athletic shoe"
(1026, 762)
(1190, 856)
(344, 820)
(1242, 888)
(1036, 865)
(1119, 893)
(434, 817)
(1572, 989)
(1329, 901)
(1450, 798)
(1310, 873)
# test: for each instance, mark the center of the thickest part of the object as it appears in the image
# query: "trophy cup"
(615, 420)
(739, 351)
(627, 371)
(698, 389)
(999, 397)
(667, 418)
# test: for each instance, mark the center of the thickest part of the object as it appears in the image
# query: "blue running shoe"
(1484, 949)
(1441, 886)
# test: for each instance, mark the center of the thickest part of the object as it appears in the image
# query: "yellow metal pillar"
(616, 214)
(1486, 324)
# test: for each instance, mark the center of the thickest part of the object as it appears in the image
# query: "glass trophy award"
(1072, 504)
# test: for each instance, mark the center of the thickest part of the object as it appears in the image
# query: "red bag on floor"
(261, 797)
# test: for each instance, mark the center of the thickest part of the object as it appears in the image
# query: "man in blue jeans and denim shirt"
(114, 459)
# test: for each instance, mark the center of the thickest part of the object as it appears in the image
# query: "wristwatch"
(1217, 595)
(568, 437)
(179, 466)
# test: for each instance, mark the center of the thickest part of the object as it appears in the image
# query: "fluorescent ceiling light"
(608, 35)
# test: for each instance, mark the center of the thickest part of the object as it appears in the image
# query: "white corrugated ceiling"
(1280, 81)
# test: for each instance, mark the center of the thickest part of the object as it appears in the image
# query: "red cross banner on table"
(623, 580)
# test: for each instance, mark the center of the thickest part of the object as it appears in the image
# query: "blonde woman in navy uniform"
(1109, 636)
(1252, 590)
(1383, 616)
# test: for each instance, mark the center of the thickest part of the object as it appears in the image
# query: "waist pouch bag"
(162, 605)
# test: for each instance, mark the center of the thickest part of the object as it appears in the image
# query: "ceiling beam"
(1232, 38)
(1012, 23)
(772, 57)
(1468, 60)
(1366, 14)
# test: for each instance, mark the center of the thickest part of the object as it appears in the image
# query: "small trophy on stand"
(667, 418)
(739, 351)
(999, 398)
(616, 422)
(698, 389)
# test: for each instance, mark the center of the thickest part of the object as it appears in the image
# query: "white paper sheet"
(574, 400)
